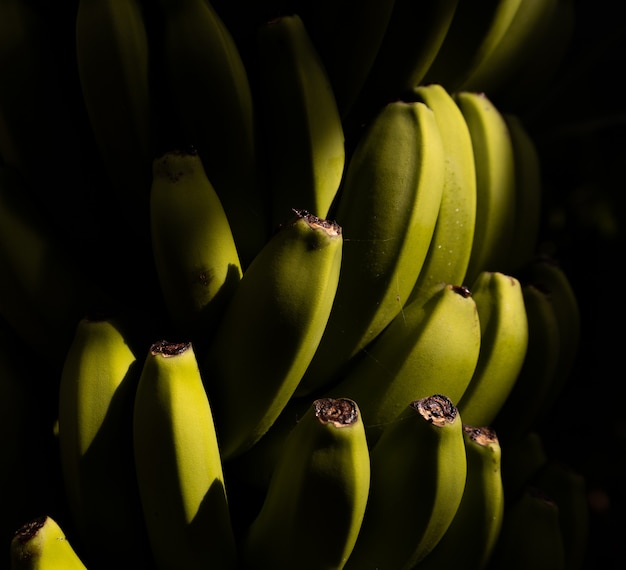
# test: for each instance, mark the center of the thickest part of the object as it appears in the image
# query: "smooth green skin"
(429, 348)
(504, 341)
(302, 126)
(472, 535)
(451, 245)
(47, 549)
(388, 208)
(193, 246)
(495, 183)
(270, 331)
(179, 469)
(96, 394)
(418, 473)
(316, 499)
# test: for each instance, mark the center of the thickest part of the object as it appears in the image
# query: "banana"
(178, 463)
(95, 434)
(504, 341)
(195, 52)
(41, 544)
(474, 531)
(528, 195)
(302, 128)
(271, 329)
(112, 56)
(431, 346)
(193, 246)
(317, 494)
(530, 536)
(451, 245)
(495, 183)
(418, 473)
(523, 459)
(387, 208)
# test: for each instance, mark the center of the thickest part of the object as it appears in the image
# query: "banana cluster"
(299, 315)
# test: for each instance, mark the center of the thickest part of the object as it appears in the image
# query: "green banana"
(388, 208)
(195, 52)
(474, 531)
(271, 329)
(451, 245)
(95, 434)
(431, 346)
(317, 494)
(41, 544)
(524, 458)
(193, 246)
(504, 341)
(418, 473)
(530, 536)
(178, 463)
(495, 183)
(302, 129)
(112, 56)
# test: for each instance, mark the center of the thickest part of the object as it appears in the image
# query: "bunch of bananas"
(287, 304)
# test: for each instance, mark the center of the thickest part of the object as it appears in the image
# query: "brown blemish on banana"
(331, 227)
(481, 435)
(167, 349)
(341, 412)
(30, 529)
(436, 409)
(462, 290)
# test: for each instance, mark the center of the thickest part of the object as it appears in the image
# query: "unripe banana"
(431, 346)
(193, 246)
(495, 183)
(474, 531)
(388, 208)
(196, 53)
(418, 473)
(317, 494)
(504, 340)
(179, 469)
(41, 544)
(95, 435)
(523, 459)
(451, 245)
(302, 129)
(271, 329)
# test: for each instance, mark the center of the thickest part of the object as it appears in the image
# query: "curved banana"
(451, 245)
(317, 494)
(95, 435)
(495, 183)
(195, 53)
(178, 463)
(41, 544)
(418, 473)
(112, 56)
(430, 347)
(193, 246)
(302, 128)
(504, 340)
(387, 208)
(474, 531)
(271, 328)
(530, 536)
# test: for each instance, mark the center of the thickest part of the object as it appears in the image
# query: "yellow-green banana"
(178, 463)
(271, 328)
(418, 473)
(95, 435)
(474, 531)
(387, 208)
(302, 128)
(41, 544)
(495, 183)
(317, 494)
(207, 91)
(112, 55)
(504, 340)
(432, 346)
(451, 245)
(193, 246)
